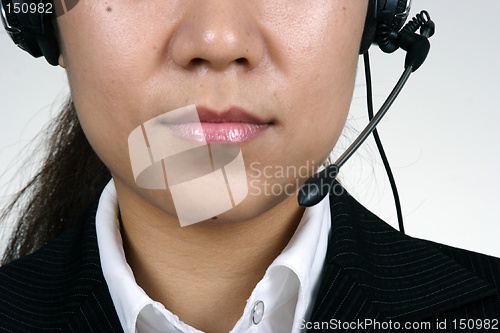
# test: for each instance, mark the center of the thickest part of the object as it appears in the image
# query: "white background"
(440, 136)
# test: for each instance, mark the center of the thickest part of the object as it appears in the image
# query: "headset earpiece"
(384, 17)
(32, 32)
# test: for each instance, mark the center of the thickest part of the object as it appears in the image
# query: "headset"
(386, 28)
(34, 32)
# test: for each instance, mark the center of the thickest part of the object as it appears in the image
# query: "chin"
(248, 210)
(260, 199)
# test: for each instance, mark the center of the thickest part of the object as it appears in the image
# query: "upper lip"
(232, 114)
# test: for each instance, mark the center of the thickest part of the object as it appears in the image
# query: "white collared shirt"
(280, 302)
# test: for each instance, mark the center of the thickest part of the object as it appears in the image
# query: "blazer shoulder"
(485, 266)
(59, 287)
(402, 277)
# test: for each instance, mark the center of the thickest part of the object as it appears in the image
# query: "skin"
(291, 63)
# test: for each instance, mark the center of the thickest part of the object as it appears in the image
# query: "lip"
(232, 125)
(231, 115)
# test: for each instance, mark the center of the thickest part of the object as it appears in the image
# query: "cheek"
(320, 64)
(321, 101)
(107, 57)
(326, 102)
(101, 73)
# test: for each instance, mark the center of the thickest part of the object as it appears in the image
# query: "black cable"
(369, 100)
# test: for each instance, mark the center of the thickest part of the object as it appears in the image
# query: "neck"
(207, 271)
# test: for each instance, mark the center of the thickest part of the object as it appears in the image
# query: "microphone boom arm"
(319, 185)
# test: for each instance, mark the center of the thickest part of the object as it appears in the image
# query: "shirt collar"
(128, 298)
(287, 290)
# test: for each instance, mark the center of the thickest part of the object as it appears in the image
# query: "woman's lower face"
(263, 89)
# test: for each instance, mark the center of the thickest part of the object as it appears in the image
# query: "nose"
(218, 35)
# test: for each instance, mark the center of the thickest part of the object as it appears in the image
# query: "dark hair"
(70, 179)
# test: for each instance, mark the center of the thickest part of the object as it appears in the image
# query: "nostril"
(196, 61)
(242, 61)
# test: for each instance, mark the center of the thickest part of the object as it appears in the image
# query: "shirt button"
(257, 312)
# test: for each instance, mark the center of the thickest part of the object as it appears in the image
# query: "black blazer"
(375, 279)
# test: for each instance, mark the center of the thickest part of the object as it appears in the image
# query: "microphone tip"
(308, 199)
(317, 187)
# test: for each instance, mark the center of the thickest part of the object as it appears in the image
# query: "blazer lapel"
(373, 271)
(59, 287)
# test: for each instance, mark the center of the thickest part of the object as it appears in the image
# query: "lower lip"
(218, 132)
